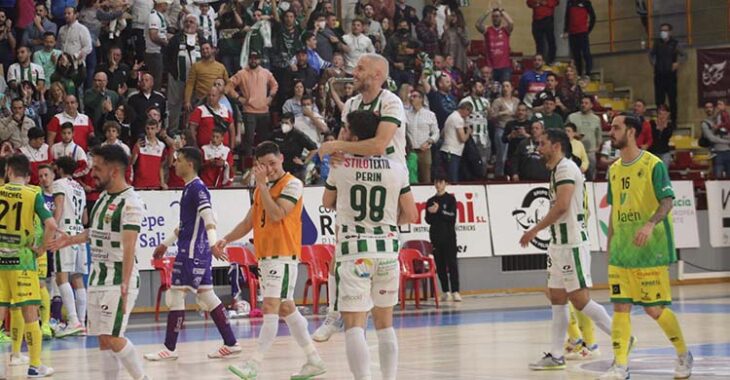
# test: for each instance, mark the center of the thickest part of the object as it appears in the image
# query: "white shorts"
(278, 278)
(105, 314)
(71, 259)
(366, 282)
(569, 268)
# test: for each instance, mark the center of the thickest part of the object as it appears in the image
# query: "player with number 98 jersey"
(71, 259)
(368, 194)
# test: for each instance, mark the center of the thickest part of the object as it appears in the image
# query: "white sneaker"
(447, 297)
(456, 296)
(616, 372)
(249, 371)
(548, 363)
(70, 330)
(225, 352)
(583, 353)
(310, 370)
(40, 371)
(18, 359)
(332, 324)
(163, 355)
(683, 370)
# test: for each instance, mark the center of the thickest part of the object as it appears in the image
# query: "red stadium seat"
(317, 272)
(164, 266)
(426, 249)
(246, 260)
(407, 258)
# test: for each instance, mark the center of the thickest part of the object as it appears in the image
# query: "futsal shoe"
(18, 359)
(225, 352)
(4, 338)
(447, 297)
(249, 371)
(162, 355)
(40, 371)
(616, 372)
(683, 370)
(571, 345)
(548, 363)
(47, 332)
(456, 296)
(332, 324)
(310, 370)
(70, 330)
(584, 352)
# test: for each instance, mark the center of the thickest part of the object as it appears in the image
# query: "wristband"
(212, 236)
(170, 240)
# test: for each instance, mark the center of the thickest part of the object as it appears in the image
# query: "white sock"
(561, 319)
(358, 355)
(268, 332)
(332, 294)
(81, 305)
(67, 296)
(599, 316)
(110, 365)
(388, 352)
(131, 361)
(298, 328)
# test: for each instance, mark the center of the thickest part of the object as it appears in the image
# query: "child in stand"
(68, 148)
(147, 158)
(217, 169)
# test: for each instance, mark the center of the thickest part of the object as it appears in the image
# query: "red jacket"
(579, 17)
(547, 9)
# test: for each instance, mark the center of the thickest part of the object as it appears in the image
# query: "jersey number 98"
(368, 205)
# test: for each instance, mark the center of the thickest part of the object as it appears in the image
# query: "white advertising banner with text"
(718, 212)
(163, 215)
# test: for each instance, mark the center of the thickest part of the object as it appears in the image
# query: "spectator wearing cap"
(355, 44)
(184, 49)
(550, 91)
(314, 60)
(156, 40)
(549, 117)
(527, 162)
(455, 134)
(257, 88)
(303, 72)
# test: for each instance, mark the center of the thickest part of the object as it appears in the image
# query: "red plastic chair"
(326, 251)
(246, 259)
(407, 258)
(426, 249)
(164, 266)
(317, 271)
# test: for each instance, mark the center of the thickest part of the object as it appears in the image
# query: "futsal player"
(116, 220)
(569, 256)
(640, 246)
(372, 197)
(369, 75)
(275, 218)
(195, 235)
(19, 285)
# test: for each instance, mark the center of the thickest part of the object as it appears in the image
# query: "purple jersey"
(192, 240)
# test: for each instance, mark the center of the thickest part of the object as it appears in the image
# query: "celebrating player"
(116, 220)
(46, 177)
(192, 270)
(371, 196)
(69, 199)
(19, 285)
(369, 75)
(276, 220)
(569, 256)
(640, 246)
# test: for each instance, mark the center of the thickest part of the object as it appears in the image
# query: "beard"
(619, 144)
(101, 185)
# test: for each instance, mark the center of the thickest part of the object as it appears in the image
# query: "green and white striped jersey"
(74, 203)
(112, 214)
(570, 229)
(479, 116)
(368, 190)
(388, 107)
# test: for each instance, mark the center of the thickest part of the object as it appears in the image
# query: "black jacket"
(664, 54)
(443, 221)
(528, 164)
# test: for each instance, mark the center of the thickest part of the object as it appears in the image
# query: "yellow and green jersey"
(635, 190)
(19, 206)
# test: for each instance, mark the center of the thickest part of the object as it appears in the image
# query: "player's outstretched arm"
(564, 195)
(407, 211)
(370, 147)
(238, 232)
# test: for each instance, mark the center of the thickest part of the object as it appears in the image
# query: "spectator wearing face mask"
(664, 56)
(292, 143)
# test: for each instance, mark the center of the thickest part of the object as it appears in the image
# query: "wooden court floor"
(484, 337)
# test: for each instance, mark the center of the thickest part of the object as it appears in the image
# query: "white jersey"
(570, 229)
(368, 190)
(112, 214)
(74, 203)
(478, 117)
(389, 107)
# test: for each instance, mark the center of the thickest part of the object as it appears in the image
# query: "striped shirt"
(112, 214)
(368, 191)
(478, 117)
(570, 229)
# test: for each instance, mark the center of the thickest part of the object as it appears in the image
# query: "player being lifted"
(369, 75)
(116, 220)
(276, 220)
(372, 197)
(69, 199)
(19, 285)
(195, 236)
(640, 246)
(569, 255)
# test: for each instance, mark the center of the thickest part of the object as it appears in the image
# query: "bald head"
(378, 63)
(100, 80)
(370, 72)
